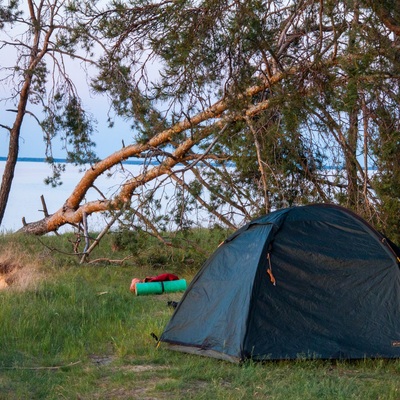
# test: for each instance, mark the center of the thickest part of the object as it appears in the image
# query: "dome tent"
(313, 281)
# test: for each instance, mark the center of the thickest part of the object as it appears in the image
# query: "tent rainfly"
(315, 281)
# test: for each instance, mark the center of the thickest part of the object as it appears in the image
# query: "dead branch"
(45, 211)
(101, 234)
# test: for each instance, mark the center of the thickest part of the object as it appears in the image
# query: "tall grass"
(76, 332)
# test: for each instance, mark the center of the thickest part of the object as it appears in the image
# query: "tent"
(314, 281)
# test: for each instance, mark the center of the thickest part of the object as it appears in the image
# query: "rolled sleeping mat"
(160, 287)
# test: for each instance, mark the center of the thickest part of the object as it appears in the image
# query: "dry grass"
(19, 270)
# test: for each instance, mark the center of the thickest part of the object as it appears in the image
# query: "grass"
(76, 332)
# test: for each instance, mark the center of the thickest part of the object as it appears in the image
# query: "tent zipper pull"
(269, 270)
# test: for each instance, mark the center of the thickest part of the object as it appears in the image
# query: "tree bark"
(8, 173)
(72, 210)
(13, 148)
(36, 55)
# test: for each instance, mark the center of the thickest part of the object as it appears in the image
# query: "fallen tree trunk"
(73, 210)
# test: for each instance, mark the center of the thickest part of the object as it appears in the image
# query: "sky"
(29, 176)
(28, 184)
(31, 142)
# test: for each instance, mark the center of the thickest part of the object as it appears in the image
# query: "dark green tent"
(314, 281)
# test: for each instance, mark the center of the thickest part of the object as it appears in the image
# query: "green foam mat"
(160, 287)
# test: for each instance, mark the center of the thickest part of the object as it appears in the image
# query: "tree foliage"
(36, 39)
(267, 103)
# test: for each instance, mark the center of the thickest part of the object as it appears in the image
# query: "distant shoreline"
(127, 162)
(63, 160)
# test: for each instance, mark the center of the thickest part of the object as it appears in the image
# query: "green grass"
(78, 333)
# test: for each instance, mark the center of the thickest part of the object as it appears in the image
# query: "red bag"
(161, 278)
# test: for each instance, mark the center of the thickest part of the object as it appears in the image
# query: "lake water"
(28, 186)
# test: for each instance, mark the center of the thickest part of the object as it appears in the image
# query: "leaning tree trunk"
(13, 148)
(36, 56)
(73, 210)
(8, 173)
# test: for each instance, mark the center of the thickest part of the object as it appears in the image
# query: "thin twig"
(104, 259)
(44, 368)
(101, 234)
(85, 232)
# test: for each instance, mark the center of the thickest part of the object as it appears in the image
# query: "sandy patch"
(16, 274)
(3, 283)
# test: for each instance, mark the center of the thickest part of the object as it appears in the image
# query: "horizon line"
(62, 160)
(129, 162)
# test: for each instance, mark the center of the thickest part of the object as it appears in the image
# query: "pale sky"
(31, 142)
